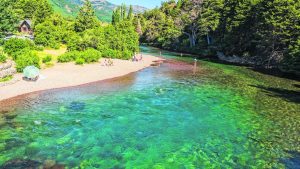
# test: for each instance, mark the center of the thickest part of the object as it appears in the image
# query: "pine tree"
(43, 11)
(130, 13)
(116, 17)
(86, 18)
(123, 11)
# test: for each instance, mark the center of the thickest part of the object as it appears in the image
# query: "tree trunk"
(208, 39)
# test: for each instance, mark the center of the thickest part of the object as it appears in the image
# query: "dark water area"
(172, 115)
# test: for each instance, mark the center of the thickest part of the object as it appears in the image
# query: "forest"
(86, 37)
(264, 33)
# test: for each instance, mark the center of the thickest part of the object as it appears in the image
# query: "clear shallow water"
(162, 117)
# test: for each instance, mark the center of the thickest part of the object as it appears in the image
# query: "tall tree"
(116, 16)
(42, 11)
(86, 18)
(130, 13)
(123, 11)
(209, 17)
(36, 10)
(8, 17)
(188, 21)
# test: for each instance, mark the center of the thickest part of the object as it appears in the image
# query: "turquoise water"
(169, 116)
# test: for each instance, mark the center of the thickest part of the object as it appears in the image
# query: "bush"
(68, 57)
(27, 58)
(39, 48)
(2, 58)
(91, 55)
(15, 45)
(79, 61)
(47, 59)
(110, 53)
(127, 54)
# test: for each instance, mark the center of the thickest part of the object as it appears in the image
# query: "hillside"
(102, 8)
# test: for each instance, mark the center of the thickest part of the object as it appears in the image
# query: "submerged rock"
(49, 163)
(77, 106)
(13, 143)
(21, 164)
(10, 116)
(107, 116)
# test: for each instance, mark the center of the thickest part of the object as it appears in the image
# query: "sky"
(146, 3)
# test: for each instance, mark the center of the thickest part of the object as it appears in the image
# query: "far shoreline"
(70, 75)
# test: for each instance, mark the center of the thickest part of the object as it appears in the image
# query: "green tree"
(42, 11)
(123, 11)
(209, 17)
(36, 10)
(8, 17)
(86, 18)
(130, 13)
(116, 16)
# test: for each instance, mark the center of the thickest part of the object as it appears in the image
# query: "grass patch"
(54, 53)
(6, 79)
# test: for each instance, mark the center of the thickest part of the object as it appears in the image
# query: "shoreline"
(63, 75)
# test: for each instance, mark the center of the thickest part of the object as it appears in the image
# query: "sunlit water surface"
(168, 116)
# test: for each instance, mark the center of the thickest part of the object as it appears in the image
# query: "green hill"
(102, 8)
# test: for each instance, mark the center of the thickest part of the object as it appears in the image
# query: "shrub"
(127, 54)
(47, 59)
(39, 48)
(2, 58)
(110, 53)
(15, 45)
(73, 41)
(91, 55)
(79, 61)
(27, 58)
(68, 57)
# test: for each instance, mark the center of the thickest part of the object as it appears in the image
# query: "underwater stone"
(49, 164)
(21, 164)
(13, 142)
(107, 116)
(77, 106)
(10, 116)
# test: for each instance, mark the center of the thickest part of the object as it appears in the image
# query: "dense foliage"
(8, 17)
(86, 35)
(47, 59)
(2, 58)
(13, 46)
(27, 58)
(263, 32)
(87, 56)
(86, 18)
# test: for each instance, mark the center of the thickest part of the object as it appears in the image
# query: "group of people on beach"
(137, 58)
(108, 62)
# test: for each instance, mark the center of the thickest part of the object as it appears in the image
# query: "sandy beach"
(69, 74)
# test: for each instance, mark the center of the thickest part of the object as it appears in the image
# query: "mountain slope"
(103, 8)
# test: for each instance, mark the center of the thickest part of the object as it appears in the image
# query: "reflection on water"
(162, 117)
